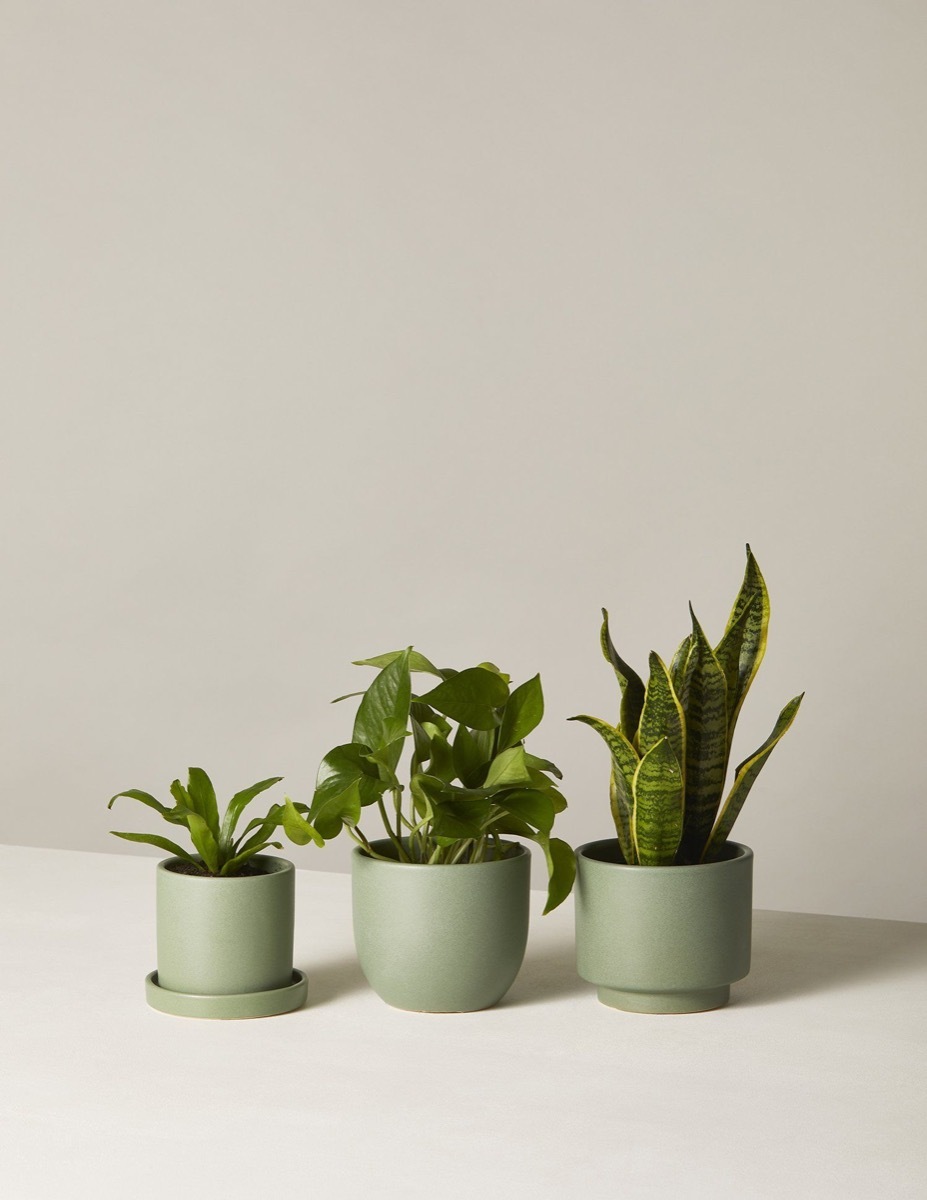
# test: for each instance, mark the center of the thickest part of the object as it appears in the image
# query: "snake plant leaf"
(624, 766)
(704, 701)
(299, 830)
(523, 712)
(620, 804)
(471, 697)
(508, 769)
(417, 662)
(657, 816)
(728, 651)
(202, 792)
(385, 705)
(153, 839)
(752, 600)
(678, 665)
(745, 777)
(535, 808)
(239, 803)
(561, 869)
(631, 684)
(662, 714)
(234, 865)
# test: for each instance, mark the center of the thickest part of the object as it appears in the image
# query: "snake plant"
(671, 746)
(217, 850)
(468, 789)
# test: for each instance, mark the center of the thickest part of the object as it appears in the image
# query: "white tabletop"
(812, 1084)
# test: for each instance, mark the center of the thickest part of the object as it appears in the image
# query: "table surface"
(812, 1084)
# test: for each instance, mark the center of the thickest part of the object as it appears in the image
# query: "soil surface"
(184, 868)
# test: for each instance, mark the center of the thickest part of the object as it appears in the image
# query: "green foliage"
(467, 787)
(216, 849)
(671, 746)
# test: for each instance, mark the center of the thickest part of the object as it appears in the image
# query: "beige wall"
(330, 327)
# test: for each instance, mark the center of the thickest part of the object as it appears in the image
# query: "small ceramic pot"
(663, 939)
(440, 938)
(225, 945)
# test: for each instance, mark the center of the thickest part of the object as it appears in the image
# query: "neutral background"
(331, 327)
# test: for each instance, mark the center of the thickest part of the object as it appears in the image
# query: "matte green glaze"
(245, 1004)
(229, 936)
(440, 938)
(663, 939)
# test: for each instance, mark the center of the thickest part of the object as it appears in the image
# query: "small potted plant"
(664, 910)
(225, 911)
(441, 901)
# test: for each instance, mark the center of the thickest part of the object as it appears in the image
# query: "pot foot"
(228, 1008)
(666, 1002)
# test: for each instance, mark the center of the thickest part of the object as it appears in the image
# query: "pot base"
(666, 1002)
(228, 1008)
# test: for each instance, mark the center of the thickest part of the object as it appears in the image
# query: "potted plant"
(225, 911)
(441, 901)
(664, 910)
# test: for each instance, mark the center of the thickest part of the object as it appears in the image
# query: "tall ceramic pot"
(225, 945)
(440, 938)
(663, 939)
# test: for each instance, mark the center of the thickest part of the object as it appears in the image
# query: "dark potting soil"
(184, 868)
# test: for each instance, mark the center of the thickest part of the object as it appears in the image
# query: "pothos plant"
(470, 782)
(671, 746)
(217, 851)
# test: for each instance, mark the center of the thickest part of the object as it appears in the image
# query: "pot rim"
(284, 866)
(362, 856)
(742, 852)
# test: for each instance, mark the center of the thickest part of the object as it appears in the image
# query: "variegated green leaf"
(744, 779)
(631, 684)
(624, 765)
(748, 637)
(662, 715)
(704, 701)
(678, 665)
(656, 819)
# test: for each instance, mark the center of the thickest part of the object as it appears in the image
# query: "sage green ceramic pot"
(663, 939)
(225, 945)
(440, 938)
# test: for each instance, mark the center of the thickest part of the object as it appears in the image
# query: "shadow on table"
(797, 954)
(332, 980)
(547, 973)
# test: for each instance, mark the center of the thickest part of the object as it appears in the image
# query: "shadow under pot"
(663, 939)
(225, 944)
(440, 938)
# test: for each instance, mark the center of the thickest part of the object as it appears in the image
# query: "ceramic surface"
(441, 938)
(663, 939)
(226, 936)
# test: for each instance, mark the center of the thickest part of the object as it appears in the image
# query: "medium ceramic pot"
(440, 938)
(663, 939)
(225, 945)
